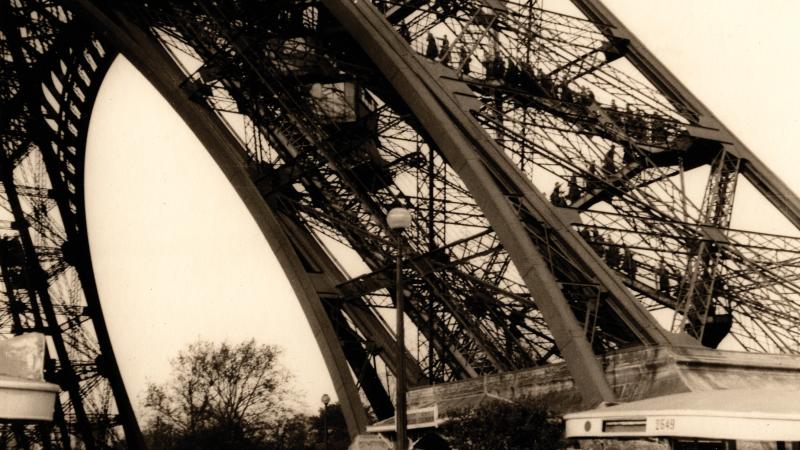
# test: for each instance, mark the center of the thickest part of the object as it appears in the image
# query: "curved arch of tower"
(325, 114)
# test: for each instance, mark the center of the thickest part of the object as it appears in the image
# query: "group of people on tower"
(574, 192)
(592, 178)
(640, 126)
(443, 53)
(621, 257)
(497, 69)
(617, 256)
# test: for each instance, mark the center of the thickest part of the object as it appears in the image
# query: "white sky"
(177, 256)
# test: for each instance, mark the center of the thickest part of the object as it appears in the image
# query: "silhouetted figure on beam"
(566, 94)
(627, 121)
(587, 97)
(600, 244)
(512, 75)
(629, 263)
(465, 60)
(591, 179)
(527, 81)
(431, 50)
(573, 190)
(495, 66)
(613, 258)
(638, 127)
(544, 82)
(628, 155)
(659, 134)
(488, 67)
(499, 66)
(608, 161)
(556, 197)
(613, 111)
(444, 54)
(647, 129)
(404, 33)
(663, 278)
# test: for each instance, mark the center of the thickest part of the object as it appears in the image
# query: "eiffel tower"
(326, 114)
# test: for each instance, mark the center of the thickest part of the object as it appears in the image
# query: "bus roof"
(736, 414)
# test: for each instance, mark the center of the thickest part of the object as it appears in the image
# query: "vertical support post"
(400, 410)
(325, 400)
(431, 248)
(325, 424)
(398, 220)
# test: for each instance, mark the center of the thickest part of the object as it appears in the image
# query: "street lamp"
(398, 220)
(325, 400)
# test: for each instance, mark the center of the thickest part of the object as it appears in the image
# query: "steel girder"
(311, 273)
(503, 195)
(348, 112)
(52, 70)
(764, 179)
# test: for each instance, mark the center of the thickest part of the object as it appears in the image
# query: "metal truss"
(50, 71)
(326, 114)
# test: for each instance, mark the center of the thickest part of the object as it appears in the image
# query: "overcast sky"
(178, 257)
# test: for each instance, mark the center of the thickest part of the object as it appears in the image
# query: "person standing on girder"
(404, 32)
(599, 244)
(636, 125)
(591, 177)
(566, 94)
(628, 155)
(431, 50)
(495, 66)
(629, 263)
(499, 65)
(658, 132)
(556, 197)
(587, 96)
(663, 278)
(545, 83)
(512, 75)
(613, 111)
(573, 190)
(444, 53)
(612, 256)
(464, 59)
(608, 161)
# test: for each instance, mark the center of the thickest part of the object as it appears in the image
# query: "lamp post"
(325, 400)
(398, 220)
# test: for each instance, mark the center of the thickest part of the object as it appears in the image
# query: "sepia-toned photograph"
(399, 225)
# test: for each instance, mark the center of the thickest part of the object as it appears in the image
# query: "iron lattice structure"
(326, 114)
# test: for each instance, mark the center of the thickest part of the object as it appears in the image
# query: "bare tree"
(219, 396)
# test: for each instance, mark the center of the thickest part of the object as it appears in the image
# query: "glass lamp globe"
(398, 219)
